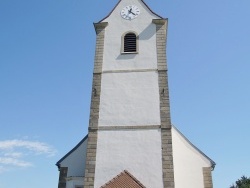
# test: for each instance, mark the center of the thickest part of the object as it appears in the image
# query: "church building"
(131, 142)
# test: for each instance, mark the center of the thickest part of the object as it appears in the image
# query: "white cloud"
(16, 153)
(34, 146)
(14, 162)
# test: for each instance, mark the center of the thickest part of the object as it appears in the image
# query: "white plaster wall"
(137, 151)
(76, 161)
(129, 99)
(188, 163)
(117, 26)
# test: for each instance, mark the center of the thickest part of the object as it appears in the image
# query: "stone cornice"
(125, 127)
(101, 26)
(160, 21)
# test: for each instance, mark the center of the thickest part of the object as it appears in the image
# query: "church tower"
(131, 141)
(130, 127)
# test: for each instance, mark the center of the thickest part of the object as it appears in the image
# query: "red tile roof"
(123, 180)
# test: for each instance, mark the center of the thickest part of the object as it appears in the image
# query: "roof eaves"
(151, 10)
(71, 151)
(213, 164)
(110, 12)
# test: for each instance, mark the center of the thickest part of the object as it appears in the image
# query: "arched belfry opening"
(130, 44)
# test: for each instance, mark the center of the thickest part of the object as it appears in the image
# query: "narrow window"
(130, 45)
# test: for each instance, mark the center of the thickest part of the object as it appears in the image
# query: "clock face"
(130, 12)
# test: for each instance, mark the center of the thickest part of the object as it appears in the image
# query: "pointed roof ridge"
(118, 180)
(119, 3)
(197, 149)
(71, 151)
(136, 180)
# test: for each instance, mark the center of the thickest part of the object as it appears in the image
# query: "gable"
(143, 4)
(74, 160)
(177, 135)
(71, 151)
(189, 162)
(123, 180)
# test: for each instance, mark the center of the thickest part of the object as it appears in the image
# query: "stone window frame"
(137, 43)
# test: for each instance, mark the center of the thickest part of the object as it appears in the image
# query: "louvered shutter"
(130, 42)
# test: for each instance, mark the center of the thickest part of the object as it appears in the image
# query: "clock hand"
(132, 13)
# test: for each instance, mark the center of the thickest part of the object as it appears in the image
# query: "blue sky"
(46, 63)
